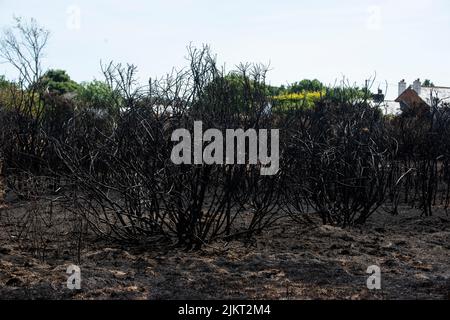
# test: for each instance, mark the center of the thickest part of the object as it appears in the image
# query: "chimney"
(401, 87)
(417, 86)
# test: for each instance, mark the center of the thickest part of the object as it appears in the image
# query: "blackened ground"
(291, 261)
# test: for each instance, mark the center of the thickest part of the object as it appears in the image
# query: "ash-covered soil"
(291, 261)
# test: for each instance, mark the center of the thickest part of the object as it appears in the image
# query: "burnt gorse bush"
(339, 162)
(106, 149)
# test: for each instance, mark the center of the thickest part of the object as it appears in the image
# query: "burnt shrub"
(338, 162)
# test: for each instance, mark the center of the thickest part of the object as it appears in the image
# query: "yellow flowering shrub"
(290, 101)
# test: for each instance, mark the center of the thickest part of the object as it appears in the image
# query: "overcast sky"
(321, 39)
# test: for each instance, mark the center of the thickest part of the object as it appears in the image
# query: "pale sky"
(320, 39)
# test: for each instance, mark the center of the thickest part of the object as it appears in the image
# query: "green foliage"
(230, 94)
(347, 94)
(276, 91)
(58, 81)
(4, 83)
(428, 83)
(306, 86)
(98, 95)
(12, 97)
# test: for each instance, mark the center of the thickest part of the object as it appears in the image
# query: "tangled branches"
(341, 159)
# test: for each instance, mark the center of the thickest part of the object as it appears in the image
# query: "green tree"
(98, 95)
(58, 81)
(428, 83)
(306, 86)
(347, 94)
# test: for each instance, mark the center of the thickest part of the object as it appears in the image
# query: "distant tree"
(98, 95)
(58, 81)
(275, 91)
(349, 94)
(229, 93)
(3, 82)
(428, 83)
(306, 86)
(232, 86)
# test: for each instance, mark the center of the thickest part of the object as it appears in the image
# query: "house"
(415, 98)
